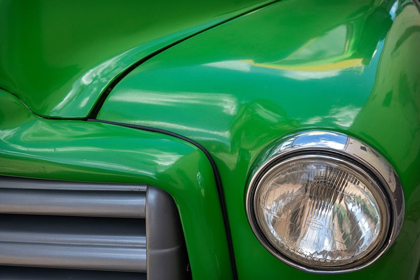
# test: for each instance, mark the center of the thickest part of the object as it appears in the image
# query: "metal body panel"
(94, 152)
(58, 57)
(349, 67)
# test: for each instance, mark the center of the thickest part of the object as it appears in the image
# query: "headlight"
(324, 202)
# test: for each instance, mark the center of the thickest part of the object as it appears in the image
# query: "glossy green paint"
(94, 152)
(58, 56)
(348, 66)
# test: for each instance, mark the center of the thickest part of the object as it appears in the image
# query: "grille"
(64, 230)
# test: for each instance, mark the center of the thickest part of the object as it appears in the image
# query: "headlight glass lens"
(320, 211)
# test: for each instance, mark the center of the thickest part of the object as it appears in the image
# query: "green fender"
(83, 151)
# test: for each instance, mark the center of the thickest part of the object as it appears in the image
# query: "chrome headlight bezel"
(347, 150)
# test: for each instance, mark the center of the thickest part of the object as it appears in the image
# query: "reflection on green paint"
(93, 152)
(59, 56)
(348, 66)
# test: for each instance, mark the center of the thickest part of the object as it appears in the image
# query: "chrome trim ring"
(339, 147)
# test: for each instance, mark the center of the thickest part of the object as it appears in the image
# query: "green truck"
(224, 139)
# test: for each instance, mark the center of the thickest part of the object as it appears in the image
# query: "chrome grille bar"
(73, 203)
(75, 256)
(71, 228)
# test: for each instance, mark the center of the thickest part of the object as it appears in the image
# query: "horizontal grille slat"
(76, 257)
(73, 230)
(73, 203)
(26, 183)
(32, 273)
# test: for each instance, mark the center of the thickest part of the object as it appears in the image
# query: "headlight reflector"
(321, 211)
(324, 202)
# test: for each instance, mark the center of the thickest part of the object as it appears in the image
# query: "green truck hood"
(59, 56)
